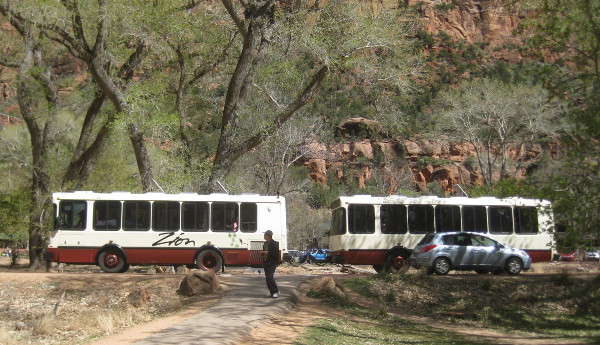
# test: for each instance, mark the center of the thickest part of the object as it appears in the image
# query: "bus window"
(338, 222)
(107, 215)
(165, 216)
(447, 218)
(526, 220)
(361, 219)
(136, 215)
(420, 219)
(195, 216)
(474, 219)
(72, 215)
(393, 219)
(248, 215)
(500, 220)
(224, 216)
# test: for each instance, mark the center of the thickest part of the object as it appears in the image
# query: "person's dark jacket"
(273, 253)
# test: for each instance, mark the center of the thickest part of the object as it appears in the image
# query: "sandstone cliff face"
(488, 21)
(407, 163)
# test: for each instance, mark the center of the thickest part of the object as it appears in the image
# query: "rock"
(328, 286)
(20, 326)
(138, 297)
(199, 283)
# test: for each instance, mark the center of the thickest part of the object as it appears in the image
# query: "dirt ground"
(90, 297)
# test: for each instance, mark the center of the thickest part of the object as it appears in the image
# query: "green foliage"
(444, 7)
(321, 195)
(426, 161)
(14, 214)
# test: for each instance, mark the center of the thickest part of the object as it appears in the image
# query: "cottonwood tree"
(281, 151)
(495, 117)
(93, 32)
(565, 35)
(35, 85)
(333, 36)
(38, 103)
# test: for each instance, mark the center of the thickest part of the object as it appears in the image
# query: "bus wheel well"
(396, 259)
(112, 259)
(209, 258)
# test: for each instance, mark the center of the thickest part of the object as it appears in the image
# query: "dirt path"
(286, 329)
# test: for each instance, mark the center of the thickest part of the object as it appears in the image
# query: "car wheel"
(441, 266)
(513, 266)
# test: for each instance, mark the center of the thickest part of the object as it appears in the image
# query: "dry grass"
(94, 304)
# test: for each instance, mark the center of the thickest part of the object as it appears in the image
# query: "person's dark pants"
(269, 273)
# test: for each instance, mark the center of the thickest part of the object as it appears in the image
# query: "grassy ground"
(553, 306)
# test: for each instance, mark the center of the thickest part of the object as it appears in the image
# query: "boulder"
(328, 286)
(199, 283)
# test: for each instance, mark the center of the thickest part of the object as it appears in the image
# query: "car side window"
(483, 241)
(457, 240)
(463, 240)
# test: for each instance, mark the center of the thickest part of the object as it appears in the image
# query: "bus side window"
(361, 219)
(447, 218)
(393, 219)
(224, 216)
(72, 215)
(526, 220)
(420, 219)
(165, 215)
(248, 216)
(474, 219)
(338, 222)
(136, 215)
(107, 215)
(195, 216)
(500, 220)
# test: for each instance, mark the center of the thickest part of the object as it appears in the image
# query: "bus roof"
(187, 196)
(434, 200)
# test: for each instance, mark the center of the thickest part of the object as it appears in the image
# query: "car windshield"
(426, 239)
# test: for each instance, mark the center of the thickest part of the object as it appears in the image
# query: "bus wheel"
(395, 263)
(112, 261)
(378, 268)
(209, 260)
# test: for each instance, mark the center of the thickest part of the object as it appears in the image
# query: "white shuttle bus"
(382, 231)
(119, 229)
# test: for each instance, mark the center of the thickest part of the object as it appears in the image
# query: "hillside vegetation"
(498, 96)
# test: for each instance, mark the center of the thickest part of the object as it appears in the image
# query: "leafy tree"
(495, 117)
(14, 211)
(337, 35)
(566, 35)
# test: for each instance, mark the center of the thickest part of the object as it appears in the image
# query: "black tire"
(513, 266)
(112, 261)
(378, 268)
(441, 266)
(395, 263)
(209, 259)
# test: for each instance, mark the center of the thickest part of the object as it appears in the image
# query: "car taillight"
(428, 248)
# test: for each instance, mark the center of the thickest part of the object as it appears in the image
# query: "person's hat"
(269, 233)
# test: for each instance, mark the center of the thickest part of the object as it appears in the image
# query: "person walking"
(270, 254)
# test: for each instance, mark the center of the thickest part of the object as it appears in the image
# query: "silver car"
(442, 252)
(591, 255)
